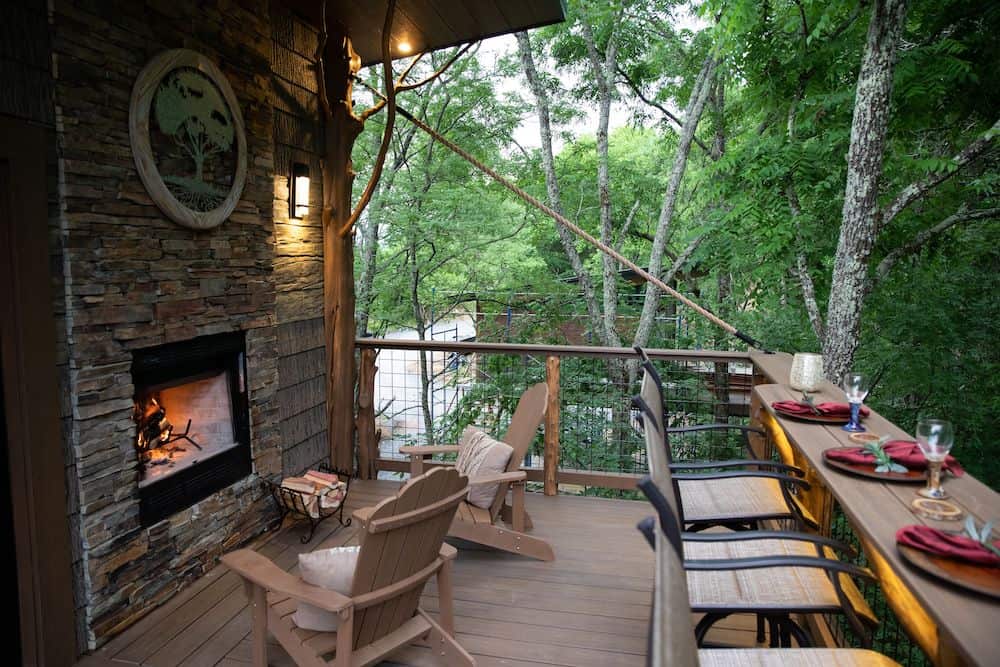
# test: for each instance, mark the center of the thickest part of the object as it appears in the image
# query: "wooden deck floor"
(589, 607)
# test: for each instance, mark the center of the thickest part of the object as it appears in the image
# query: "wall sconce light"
(298, 195)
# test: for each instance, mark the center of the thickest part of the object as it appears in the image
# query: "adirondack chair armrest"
(513, 477)
(362, 514)
(259, 570)
(447, 552)
(427, 450)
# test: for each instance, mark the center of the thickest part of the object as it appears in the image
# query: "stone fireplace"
(192, 422)
(222, 327)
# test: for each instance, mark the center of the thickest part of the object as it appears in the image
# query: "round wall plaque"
(187, 138)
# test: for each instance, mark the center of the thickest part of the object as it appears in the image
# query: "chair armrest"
(447, 552)
(715, 427)
(828, 564)
(736, 463)
(744, 535)
(362, 514)
(515, 476)
(788, 479)
(261, 571)
(426, 450)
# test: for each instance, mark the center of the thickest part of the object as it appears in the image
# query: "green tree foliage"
(768, 206)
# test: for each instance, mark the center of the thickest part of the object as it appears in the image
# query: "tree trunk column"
(341, 127)
(864, 170)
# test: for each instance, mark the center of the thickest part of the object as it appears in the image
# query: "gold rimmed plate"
(868, 470)
(982, 579)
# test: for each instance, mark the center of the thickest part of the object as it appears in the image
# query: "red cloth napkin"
(826, 409)
(903, 452)
(940, 543)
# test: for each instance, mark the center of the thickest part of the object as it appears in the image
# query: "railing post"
(365, 424)
(551, 462)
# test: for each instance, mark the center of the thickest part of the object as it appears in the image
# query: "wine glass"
(856, 388)
(934, 437)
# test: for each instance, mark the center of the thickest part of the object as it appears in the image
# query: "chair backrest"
(650, 405)
(672, 639)
(524, 423)
(400, 543)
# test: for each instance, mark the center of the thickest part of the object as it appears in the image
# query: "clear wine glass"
(856, 388)
(935, 438)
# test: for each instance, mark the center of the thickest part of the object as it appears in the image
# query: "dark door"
(33, 469)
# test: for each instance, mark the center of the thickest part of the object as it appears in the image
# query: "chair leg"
(445, 599)
(416, 464)
(258, 637)
(446, 647)
(517, 507)
(345, 638)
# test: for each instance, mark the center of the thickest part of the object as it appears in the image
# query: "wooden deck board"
(588, 607)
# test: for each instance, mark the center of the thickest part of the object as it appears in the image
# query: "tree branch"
(925, 235)
(390, 123)
(653, 103)
(625, 227)
(915, 191)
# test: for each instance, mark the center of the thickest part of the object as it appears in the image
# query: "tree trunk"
(696, 105)
(604, 76)
(552, 183)
(342, 127)
(864, 169)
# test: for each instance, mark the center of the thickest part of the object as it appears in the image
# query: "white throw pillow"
(480, 455)
(332, 569)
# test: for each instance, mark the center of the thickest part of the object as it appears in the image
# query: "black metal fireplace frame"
(164, 364)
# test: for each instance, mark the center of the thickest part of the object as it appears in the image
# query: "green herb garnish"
(883, 463)
(981, 535)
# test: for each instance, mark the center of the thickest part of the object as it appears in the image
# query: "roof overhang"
(427, 25)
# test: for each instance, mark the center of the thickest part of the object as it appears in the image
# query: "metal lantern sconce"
(298, 200)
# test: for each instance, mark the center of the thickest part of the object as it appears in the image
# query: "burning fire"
(153, 428)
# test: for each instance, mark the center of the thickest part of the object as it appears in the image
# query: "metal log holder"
(293, 503)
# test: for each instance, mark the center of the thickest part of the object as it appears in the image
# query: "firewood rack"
(293, 503)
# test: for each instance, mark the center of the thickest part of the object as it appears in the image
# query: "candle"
(807, 371)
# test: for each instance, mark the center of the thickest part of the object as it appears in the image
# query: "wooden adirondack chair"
(401, 548)
(480, 525)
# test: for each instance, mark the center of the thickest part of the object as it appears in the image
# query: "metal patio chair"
(800, 575)
(673, 640)
(738, 493)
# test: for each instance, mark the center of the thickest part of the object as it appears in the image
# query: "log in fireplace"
(192, 422)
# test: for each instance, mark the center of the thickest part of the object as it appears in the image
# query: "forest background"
(823, 174)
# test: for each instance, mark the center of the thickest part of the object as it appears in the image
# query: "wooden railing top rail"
(549, 350)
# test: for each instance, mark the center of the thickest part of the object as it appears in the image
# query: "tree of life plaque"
(188, 139)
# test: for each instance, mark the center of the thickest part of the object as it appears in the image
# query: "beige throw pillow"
(481, 455)
(332, 569)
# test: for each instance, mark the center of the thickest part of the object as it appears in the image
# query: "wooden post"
(365, 423)
(342, 127)
(551, 463)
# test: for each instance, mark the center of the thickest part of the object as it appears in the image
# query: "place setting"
(969, 558)
(806, 375)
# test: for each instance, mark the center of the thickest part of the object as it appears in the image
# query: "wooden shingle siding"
(25, 65)
(298, 262)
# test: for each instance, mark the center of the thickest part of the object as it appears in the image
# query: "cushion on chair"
(481, 455)
(332, 569)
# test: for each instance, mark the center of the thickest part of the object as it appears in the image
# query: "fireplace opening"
(192, 434)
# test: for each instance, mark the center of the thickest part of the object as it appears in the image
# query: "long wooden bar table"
(953, 625)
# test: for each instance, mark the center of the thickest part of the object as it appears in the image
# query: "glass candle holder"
(807, 371)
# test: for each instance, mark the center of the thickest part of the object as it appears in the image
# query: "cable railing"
(427, 392)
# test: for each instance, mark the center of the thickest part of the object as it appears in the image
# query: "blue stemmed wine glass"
(856, 388)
